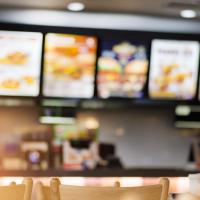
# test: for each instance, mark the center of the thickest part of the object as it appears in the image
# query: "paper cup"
(194, 180)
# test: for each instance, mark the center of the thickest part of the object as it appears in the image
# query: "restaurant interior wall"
(143, 130)
(143, 136)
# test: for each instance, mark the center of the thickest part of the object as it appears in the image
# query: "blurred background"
(97, 91)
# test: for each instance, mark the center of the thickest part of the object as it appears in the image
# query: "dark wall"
(144, 136)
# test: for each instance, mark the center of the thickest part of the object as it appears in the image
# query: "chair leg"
(54, 189)
(117, 184)
(28, 182)
(39, 195)
(165, 188)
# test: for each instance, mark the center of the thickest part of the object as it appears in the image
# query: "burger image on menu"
(135, 76)
(122, 69)
(14, 58)
(109, 76)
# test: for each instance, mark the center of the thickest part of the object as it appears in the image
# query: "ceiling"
(170, 8)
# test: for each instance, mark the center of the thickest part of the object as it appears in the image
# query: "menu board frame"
(146, 37)
(171, 70)
(100, 33)
(128, 64)
(71, 34)
(19, 32)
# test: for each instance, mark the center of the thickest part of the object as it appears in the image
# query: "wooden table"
(187, 196)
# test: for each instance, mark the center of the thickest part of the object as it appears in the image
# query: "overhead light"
(188, 14)
(76, 6)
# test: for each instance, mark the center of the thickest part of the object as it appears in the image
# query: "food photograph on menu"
(69, 65)
(20, 63)
(122, 69)
(173, 69)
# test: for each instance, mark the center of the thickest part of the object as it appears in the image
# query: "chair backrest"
(17, 192)
(51, 192)
(56, 191)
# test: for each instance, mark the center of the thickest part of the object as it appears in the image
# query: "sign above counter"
(97, 64)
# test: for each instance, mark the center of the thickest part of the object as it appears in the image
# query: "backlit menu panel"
(173, 69)
(122, 69)
(69, 65)
(20, 61)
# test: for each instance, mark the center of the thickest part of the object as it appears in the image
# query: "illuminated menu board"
(20, 60)
(173, 69)
(122, 69)
(69, 65)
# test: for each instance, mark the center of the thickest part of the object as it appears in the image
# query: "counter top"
(135, 172)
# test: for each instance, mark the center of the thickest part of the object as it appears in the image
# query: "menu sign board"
(173, 69)
(122, 69)
(20, 60)
(69, 65)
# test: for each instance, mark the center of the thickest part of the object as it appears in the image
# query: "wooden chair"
(17, 192)
(56, 191)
